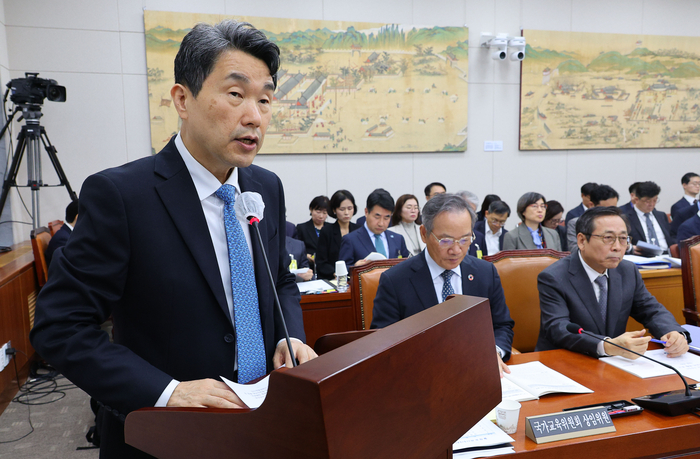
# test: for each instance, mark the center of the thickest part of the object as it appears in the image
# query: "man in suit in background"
(434, 189)
(494, 233)
(442, 269)
(601, 196)
(690, 227)
(598, 290)
(646, 223)
(61, 237)
(297, 249)
(585, 202)
(373, 236)
(153, 250)
(691, 188)
(633, 198)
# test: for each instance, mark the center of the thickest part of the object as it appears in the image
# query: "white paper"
(484, 453)
(375, 256)
(539, 379)
(314, 286)
(253, 395)
(688, 364)
(484, 433)
(511, 391)
(298, 271)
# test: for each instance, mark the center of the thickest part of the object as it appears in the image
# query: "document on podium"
(530, 381)
(483, 440)
(687, 364)
(253, 395)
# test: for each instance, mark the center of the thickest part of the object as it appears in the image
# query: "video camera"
(33, 90)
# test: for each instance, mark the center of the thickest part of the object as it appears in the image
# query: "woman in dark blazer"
(309, 232)
(342, 208)
(531, 234)
(553, 219)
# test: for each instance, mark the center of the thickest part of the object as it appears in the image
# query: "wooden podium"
(409, 390)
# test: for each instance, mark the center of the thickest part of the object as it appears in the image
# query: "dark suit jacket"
(296, 247)
(306, 232)
(143, 254)
(626, 207)
(678, 220)
(573, 213)
(567, 296)
(689, 228)
(328, 250)
(637, 232)
(407, 289)
(679, 207)
(57, 240)
(480, 226)
(479, 241)
(357, 245)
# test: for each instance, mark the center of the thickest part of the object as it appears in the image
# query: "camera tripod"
(29, 140)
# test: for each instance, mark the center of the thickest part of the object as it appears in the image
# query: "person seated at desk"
(690, 227)
(342, 208)
(433, 189)
(552, 220)
(646, 223)
(531, 234)
(633, 198)
(444, 269)
(61, 237)
(601, 196)
(374, 237)
(309, 232)
(691, 187)
(494, 234)
(585, 202)
(297, 249)
(598, 290)
(481, 215)
(406, 221)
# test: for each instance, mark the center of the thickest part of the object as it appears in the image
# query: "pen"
(654, 340)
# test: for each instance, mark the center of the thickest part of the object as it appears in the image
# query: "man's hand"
(204, 393)
(676, 344)
(636, 251)
(303, 352)
(502, 367)
(307, 276)
(361, 262)
(634, 340)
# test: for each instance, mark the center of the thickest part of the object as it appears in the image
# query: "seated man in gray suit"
(598, 290)
(442, 269)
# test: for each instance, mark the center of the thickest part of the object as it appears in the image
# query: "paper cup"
(507, 414)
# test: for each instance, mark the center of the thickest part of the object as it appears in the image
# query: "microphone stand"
(254, 223)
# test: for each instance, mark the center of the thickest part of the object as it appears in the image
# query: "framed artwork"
(342, 87)
(602, 91)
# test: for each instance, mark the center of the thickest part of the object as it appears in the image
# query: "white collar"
(592, 273)
(204, 181)
(435, 269)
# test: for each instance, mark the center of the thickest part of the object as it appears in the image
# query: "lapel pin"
(470, 277)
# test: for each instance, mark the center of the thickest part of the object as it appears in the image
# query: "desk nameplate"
(564, 425)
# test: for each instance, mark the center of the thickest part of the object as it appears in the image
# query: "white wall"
(96, 49)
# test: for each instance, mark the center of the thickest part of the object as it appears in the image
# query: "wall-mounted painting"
(342, 87)
(601, 91)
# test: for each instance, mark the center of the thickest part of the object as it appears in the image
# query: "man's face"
(434, 191)
(646, 205)
(596, 253)
(378, 219)
(692, 188)
(455, 225)
(225, 125)
(612, 202)
(495, 221)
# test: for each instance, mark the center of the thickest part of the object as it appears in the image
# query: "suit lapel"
(579, 280)
(366, 241)
(181, 201)
(422, 283)
(525, 237)
(393, 246)
(636, 224)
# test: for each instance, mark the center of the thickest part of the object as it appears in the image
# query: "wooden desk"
(646, 435)
(667, 287)
(327, 313)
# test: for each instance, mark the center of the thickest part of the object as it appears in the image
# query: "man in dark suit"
(61, 237)
(434, 189)
(585, 202)
(646, 223)
(443, 269)
(496, 217)
(598, 290)
(633, 198)
(152, 250)
(689, 228)
(691, 188)
(373, 236)
(681, 217)
(297, 249)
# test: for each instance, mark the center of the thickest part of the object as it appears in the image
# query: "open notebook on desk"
(530, 381)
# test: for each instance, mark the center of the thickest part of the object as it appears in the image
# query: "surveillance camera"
(499, 55)
(517, 56)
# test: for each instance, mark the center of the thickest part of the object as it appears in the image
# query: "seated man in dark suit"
(433, 189)
(681, 217)
(633, 198)
(442, 269)
(585, 202)
(598, 290)
(61, 237)
(691, 188)
(493, 227)
(297, 249)
(373, 236)
(690, 227)
(646, 223)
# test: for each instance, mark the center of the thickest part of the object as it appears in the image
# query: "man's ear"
(180, 95)
(423, 234)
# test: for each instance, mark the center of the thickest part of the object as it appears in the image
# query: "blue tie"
(249, 338)
(379, 244)
(447, 289)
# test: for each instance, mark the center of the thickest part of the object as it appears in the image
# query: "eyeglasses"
(694, 183)
(495, 222)
(653, 201)
(609, 239)
(410, 207)
(555, 222)
(538, 206)
(447, 242)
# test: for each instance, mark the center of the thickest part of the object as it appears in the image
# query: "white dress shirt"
(492, 240)
(657, 228)
(438, 281)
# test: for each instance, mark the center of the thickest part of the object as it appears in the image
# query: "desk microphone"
(671, 403)
(250, 205)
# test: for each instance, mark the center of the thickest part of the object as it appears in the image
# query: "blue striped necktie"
(246, 314)
(447, 289)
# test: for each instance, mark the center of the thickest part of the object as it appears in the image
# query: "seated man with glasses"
(646, 223)
(442, 269)
(598, 290)
(492, 227)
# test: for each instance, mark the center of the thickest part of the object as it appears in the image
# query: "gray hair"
(470, 197)
(202, 46)
(445, 203)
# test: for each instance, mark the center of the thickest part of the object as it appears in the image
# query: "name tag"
(546, 428)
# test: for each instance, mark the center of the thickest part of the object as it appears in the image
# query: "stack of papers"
(315, 286)
(530, 381)
(688, 364)
(661, 261)
(485, 439)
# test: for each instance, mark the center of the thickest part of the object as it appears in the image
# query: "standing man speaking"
(161, 250)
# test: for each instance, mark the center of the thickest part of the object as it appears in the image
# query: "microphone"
(250, 205)
(671, 403)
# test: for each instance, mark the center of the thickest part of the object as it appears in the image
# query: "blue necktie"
(653, 239)
(602, 282)
(447, 289)
(379, 244)
(246, 314)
